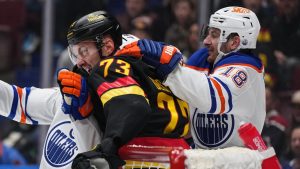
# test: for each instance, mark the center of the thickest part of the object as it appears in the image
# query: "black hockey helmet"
(94, 26)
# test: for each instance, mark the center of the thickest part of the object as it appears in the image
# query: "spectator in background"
(193, 38)
(274, 130)
(141, 27)
(285, 30)
(225, 3)
(133, 9)
(178, 33)
(11, 156)
(264, 48)
(293, 157)
(144, 18)
(295, 102)
(285, 35)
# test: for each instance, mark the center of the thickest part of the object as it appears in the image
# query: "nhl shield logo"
(60, 147)
(212, 130)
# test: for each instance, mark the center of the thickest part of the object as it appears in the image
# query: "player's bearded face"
(84, 54)
(211, 42)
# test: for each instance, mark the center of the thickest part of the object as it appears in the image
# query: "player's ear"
(108, 46)
(235, 43)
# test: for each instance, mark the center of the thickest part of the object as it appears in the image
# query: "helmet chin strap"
(221, 53)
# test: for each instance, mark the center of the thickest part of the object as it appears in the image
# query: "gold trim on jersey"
(105, 97)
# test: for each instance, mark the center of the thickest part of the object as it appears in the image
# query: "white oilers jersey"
(232, 92)
(65, 138)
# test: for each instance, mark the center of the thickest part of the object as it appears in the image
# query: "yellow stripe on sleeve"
(108, 95)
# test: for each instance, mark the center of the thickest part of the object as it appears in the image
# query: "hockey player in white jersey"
(66, 137)
(223, 82)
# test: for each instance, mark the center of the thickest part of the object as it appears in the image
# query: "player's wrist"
(163, 70)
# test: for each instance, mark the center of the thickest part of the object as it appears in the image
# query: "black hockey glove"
(96, 159)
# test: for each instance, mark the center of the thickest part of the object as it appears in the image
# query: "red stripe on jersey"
(120, 82)
(241, 64)
(23, 116)
(220, 93)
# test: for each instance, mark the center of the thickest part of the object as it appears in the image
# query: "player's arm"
(29, 105)
(124, 103)
(214, 93)
(162, 57)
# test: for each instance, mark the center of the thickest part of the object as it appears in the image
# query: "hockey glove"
(163, 58)
(96, 159)
(76, 98)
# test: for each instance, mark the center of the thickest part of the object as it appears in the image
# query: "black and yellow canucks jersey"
(136, 104)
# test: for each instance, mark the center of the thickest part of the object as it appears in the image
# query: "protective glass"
(81, 50)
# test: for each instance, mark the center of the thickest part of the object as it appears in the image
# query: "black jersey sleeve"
(125, 105)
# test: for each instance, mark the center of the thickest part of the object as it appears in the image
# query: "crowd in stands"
(174, 22)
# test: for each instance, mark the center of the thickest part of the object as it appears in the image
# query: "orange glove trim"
(167, 54)
(87, 108)
(131, 49)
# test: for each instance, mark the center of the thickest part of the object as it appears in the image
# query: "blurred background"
(33, 43)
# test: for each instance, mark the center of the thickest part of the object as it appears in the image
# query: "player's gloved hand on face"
(96, 159)
(76, 98)
(163, 58)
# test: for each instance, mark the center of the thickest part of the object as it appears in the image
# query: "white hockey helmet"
(238, 20)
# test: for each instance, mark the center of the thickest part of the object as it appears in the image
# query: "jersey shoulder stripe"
(213, 98)
(220, 93)
(28, 90)
(14, 106)
(242, 60)
(18, 95)
(228, 92)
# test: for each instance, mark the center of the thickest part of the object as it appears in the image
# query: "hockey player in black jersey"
(131, 105)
